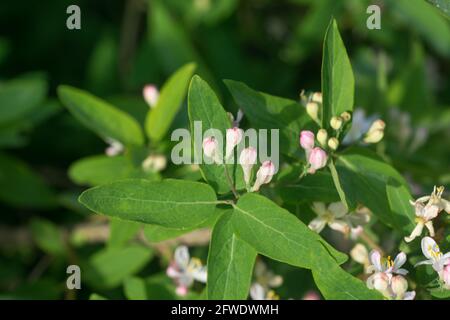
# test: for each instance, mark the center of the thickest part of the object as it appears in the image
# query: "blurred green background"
(401, 71)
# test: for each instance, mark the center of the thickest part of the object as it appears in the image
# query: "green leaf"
(101, 117)
(101, 169)
(121, 232)
(363, 178)
(135, 289)
(403, 212)
(230, 263)
(20, 96)
(277, 234)
(47, 237)
(169, 203)
(169, 102)
(204, 106)
(440, 293)
(265, 111)
(336, 284)
(108, 268)
(21, 187)
(338, 83)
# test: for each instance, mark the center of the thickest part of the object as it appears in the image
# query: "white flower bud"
(322, 136)
(154, 163)
(346, 116)
(151, 95)
(399, 285)
(336, 123)
(312, 109)
(247, 160)
(210, 149)
(234, 137)
(115, 148)
(333, 143)
(317, 97)
(376, 132)
(380, 281)
(264, 175)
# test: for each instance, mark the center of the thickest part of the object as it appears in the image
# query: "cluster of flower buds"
(388, 276)
(247, 160)
(151, 95)
(316, 157)
(427, 208)
(211, 148)
(375, 132)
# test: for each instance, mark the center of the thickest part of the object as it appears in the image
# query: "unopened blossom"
(317, 97)
(264, 175)
(114, 148)
(184, 270)
(155, 163)
(317, 160)
(312, 109)
(434, 256)
(375, 133)
(336, 122)
(307, 139)
(446, 276)
(322, 136)
(427, 208)
(337, 217)
(258, 292)
(333, 143)
(211, 149)
(151, 95)
(234, 137)
(247, 160)
(346, 116)
(399, 289)
(360, 254)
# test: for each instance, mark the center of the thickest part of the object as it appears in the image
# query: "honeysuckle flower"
(434, 255)
(336, 122)
(312, 109)
(211, 149)
(322, 136)
(382, 265)
(247, 160)
(151, 95)
(360, 254)
(317, 159)
(114, 148)
(427, 208)
(376, 132)
(307, 140)
(333, 143)
(399, 287)
(184, 270)
(264, 175)
(234, 137)
(154, 162)
(336, 216)
(258, 292)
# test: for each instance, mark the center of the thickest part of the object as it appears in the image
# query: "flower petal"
(428, 246)
(409, 295)
(415, 233)
(317, 224)
(375, 258)
(200, 274)
(257, 292)
(340, 226)
(319, 208)
(400, 260)
(181, 257)
(423, 262)
(430, 212)
(338, 209)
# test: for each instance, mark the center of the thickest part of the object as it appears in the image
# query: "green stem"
(230, 182)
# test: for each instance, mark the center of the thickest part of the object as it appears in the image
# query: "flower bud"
(307, 139)
(264, 175)
(333, 143)
(115, 148)
(360, 254)
(210, 149)
(151, 95)
(234, 136)
(399, 285)
(322, 136)
(336, 123)
(312, 109)
(346, 116)
(317, 159)
(446, 276)
(376, 132)
(317, 97)
(154, 163)
(380, 281)
(247, 160)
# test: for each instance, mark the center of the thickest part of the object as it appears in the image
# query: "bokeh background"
(402, 75)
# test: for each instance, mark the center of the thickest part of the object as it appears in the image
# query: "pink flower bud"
(151, 95)
(380, 281)
(264, 174)
(234, 136)
(311, 295)
(399, 285)
(181, 290)
(446, 276)
(317, 159)
(307, 139)
(210, 148)
(247, 160)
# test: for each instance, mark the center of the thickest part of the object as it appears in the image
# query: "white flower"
(337, 217)
(258, 292)
(184, 270)
(151, 95)
(427, 208)
(380, 264)
(234, 137)
(115, 147)
(264, 175)
(434, 255)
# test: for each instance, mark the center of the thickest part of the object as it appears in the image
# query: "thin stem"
(230, 182)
